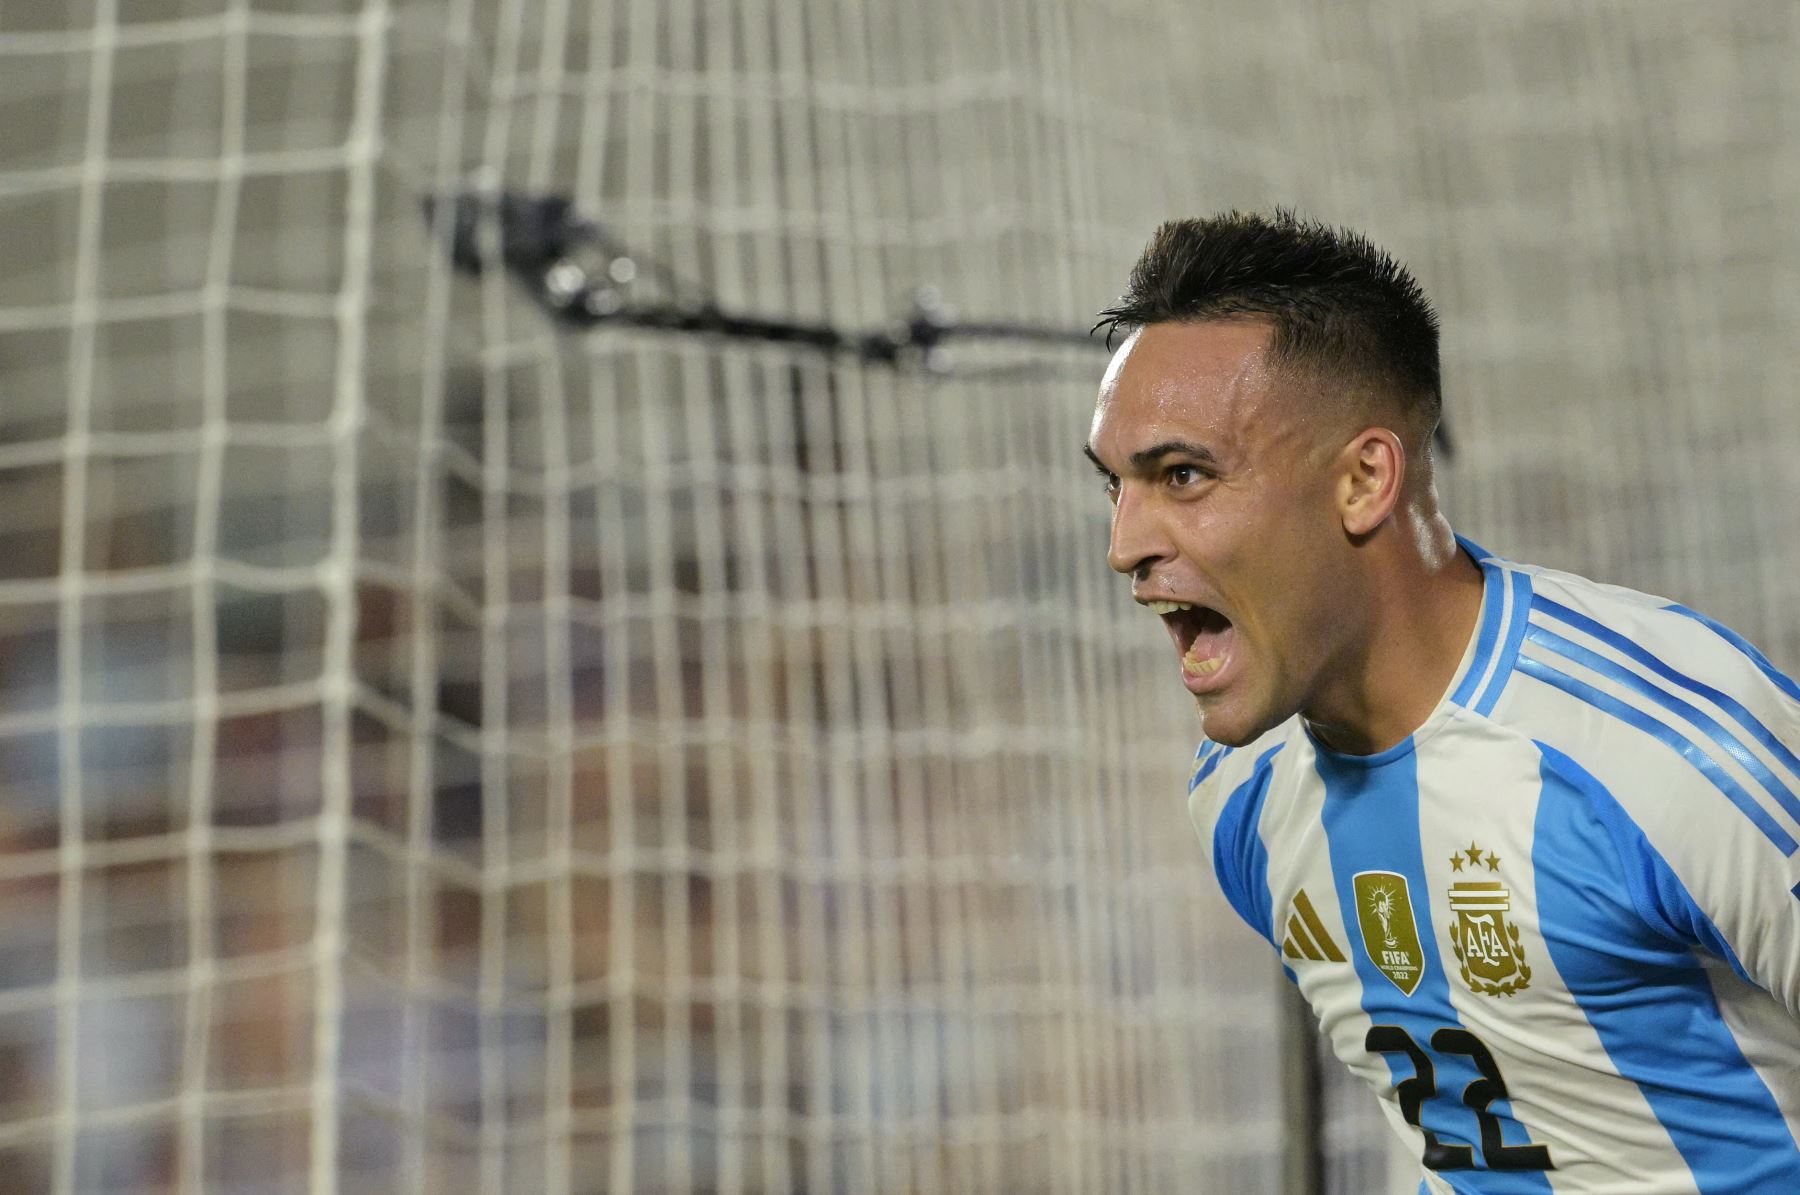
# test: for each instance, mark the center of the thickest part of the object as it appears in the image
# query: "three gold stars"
(1474, 856)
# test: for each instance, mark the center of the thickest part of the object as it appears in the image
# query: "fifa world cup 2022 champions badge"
(1390, 934)
(1486, 943)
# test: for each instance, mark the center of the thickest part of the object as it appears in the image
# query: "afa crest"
(1487, 945)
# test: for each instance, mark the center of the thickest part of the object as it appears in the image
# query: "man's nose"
(1138, 539)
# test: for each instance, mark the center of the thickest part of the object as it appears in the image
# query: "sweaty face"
(1224, 517)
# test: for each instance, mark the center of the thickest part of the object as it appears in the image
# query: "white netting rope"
(447, 753)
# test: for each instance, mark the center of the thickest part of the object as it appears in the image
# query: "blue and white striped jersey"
(1558, 928)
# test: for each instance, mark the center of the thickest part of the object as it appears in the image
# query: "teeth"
(1168, 607)
(1201, 667)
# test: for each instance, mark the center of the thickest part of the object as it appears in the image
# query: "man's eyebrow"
(1144, 458)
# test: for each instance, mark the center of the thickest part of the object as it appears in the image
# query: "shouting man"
(1526, 843)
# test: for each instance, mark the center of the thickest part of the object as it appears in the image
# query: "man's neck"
(1423, 612)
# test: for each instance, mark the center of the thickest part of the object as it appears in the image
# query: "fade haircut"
(1341, 309)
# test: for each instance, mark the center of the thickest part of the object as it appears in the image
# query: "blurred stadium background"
(442, 751)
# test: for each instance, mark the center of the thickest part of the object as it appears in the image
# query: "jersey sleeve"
(1709, 849)
(1695, 739)
(1733, 899)
(1744, 883)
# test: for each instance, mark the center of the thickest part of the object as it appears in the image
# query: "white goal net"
(447, 751)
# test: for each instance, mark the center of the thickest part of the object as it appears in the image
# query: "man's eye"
(1183, 475)
(1110, 483)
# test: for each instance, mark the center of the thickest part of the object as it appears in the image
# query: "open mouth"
(1202, 635)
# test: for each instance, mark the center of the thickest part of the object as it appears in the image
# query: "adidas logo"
(1306, 935)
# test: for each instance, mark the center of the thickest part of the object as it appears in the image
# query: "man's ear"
(1373, 471)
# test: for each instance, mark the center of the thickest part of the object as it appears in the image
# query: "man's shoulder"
(1596, 606)
(1691, 729)
(1630, 642)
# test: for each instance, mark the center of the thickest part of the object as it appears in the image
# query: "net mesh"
(443, 752)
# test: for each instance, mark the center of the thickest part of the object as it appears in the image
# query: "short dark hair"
(1340, 307)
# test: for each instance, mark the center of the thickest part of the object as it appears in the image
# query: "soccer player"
(1525, 842)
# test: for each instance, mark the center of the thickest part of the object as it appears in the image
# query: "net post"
(1302, 1121)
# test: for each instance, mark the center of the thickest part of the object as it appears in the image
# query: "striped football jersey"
(1558, 928)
